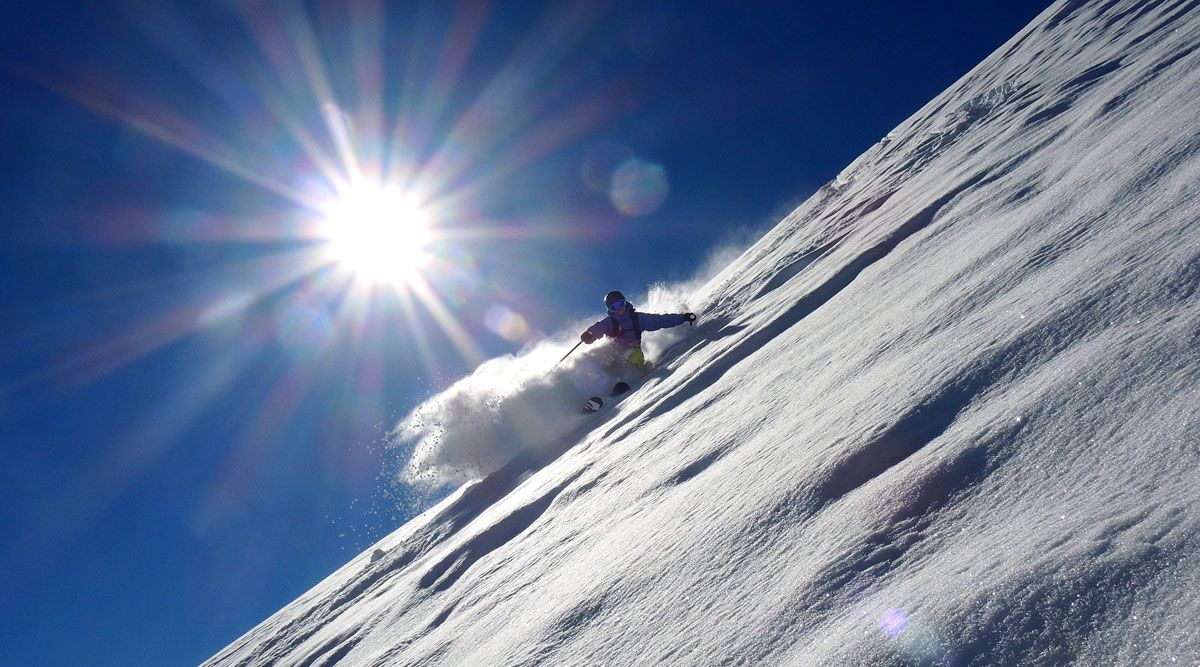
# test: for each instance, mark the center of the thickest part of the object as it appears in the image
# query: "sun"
(378, 233)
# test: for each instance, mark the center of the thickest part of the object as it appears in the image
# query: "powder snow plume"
(523, 402)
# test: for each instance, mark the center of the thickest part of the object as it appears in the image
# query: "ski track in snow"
(943, 413)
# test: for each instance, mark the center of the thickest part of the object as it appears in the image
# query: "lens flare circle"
(639, 187)
(893, 622)
(379, 234)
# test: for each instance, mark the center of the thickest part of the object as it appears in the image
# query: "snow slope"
(945, 412)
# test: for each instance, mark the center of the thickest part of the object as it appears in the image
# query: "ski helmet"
(613, 297)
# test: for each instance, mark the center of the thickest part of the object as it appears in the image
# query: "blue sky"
(193, 389)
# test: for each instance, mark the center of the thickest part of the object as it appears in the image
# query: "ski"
(595, 403)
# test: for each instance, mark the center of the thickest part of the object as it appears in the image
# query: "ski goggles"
(616, 305)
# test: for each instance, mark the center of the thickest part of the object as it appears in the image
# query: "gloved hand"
(689, 317)
(587, 337)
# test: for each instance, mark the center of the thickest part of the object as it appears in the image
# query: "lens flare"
(506, 324)
(638, 188)
(893, 622)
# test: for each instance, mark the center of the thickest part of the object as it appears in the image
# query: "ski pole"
(568, 354)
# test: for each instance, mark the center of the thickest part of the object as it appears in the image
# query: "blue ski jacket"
(627, 327)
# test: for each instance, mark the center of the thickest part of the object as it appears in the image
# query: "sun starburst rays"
(367, 184)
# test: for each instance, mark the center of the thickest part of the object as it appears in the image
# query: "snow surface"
(944, 412)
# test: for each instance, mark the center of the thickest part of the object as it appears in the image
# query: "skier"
(625, 325)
